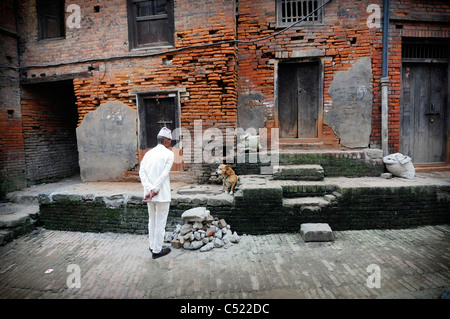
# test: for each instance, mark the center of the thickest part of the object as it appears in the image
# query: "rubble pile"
(201, 231)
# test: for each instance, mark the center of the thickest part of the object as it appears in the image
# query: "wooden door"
(298, 99)
(424, 108)
(154, 114)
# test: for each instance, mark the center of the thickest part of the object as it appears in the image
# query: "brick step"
(298, 172)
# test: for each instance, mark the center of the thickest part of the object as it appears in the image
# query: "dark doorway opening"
(50, 117)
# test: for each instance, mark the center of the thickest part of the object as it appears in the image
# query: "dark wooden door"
(298, 99)
(155, 113)
(424, 111)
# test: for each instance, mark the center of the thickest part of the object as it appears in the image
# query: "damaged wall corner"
(350, 116)
(107, 142)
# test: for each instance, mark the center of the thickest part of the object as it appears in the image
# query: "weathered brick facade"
(12, 154)
(219, 84)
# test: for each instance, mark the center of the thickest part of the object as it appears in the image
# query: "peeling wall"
(351, 113)
(107, 142)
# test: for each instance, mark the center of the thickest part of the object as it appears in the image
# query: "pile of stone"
(202, 231)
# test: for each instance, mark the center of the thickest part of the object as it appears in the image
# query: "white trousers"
(157, 219)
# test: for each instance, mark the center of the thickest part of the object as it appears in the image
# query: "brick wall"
(342, 39)
(419, 19)
(258, 211)
(212, 77)
(207, 74)
(12, 159)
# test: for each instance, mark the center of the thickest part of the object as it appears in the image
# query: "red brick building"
(227, 63)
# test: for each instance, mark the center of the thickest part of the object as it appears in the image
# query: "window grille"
(291, 11)
(424, 50)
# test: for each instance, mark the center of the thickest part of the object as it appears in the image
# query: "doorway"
(50, 116)
(299, 95)
(156, 111)
(424, 102)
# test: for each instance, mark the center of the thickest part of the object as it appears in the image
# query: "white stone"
(207, 247)
(197, 214)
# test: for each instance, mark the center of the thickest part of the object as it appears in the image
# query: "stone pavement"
(411, 263)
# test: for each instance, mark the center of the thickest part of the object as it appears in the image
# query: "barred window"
(291, 11)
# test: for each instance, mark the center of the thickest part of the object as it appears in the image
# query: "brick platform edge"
(257, 209)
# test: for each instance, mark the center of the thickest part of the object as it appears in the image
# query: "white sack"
(399, 165)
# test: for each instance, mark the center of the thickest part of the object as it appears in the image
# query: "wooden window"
(150, 23)
(291, 11)
(50, 15)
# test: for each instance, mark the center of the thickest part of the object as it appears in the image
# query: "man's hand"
(148, 197)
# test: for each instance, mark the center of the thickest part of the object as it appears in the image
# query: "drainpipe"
(385, 82)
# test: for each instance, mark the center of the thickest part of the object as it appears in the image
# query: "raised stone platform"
(260, 204)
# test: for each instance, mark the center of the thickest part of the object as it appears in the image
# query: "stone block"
(316, 232)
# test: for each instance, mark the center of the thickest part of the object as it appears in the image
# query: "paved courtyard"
(367, 264)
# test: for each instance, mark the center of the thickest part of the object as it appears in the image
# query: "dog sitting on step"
(229, 178)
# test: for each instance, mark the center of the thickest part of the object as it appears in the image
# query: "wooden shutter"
(50, 18)
(151, 22)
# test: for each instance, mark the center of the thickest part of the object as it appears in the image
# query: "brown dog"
(229, 178)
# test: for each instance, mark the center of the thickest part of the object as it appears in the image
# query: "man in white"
(154, 173)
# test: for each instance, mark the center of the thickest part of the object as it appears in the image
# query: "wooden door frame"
(140, 97)
(320, 61)
(446, 108)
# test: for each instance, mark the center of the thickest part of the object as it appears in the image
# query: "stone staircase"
(16, 220)
(298, 195)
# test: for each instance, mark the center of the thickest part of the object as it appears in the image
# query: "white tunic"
(154, 172)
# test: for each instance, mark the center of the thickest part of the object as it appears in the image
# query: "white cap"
(165, 132)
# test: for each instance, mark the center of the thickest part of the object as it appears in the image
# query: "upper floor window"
(50, 14)
(291, 11)
(150, 23)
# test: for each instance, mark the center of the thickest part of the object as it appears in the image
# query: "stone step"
(298, 172)
(15, 220)
(305, 202)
